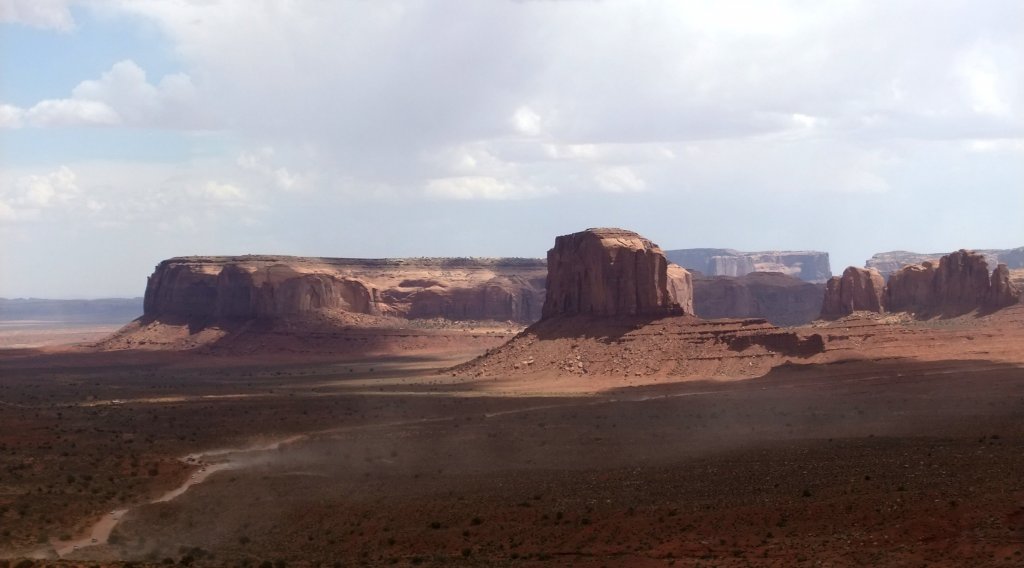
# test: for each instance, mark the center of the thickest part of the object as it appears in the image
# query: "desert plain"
(873, 439)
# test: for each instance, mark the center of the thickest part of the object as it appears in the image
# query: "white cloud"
(262, 163)
(526, 121)
(482, 187)
(10, 116)
(26, 196)
(121, 96)
(45, 14)
(619, 180)
(222, 192)
(71, 112)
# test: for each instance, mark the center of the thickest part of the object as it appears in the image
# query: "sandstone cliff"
(889, 262)
(858, 289)
(781, 299)
(810, 266)
(267, 287)
(613, 272)
(959, 284)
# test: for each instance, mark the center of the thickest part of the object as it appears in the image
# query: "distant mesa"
(958, 283)
(269, 287)
(613, 272)
(779, 298)
(889, 262)
(809, 266)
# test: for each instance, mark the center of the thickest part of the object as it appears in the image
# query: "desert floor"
(218, 460)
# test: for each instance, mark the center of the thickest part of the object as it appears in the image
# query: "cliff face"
(781, 299)
(612, 272)
(960, 283)
(858, 289)
(259, 287)
(810, 266)
(889, 262)
(957, 284)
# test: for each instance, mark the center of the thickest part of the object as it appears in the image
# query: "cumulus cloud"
(121, 96)
(571, 107)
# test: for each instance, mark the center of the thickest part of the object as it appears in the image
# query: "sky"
(133, 131)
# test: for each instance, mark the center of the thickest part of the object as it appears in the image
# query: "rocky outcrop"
(263, 287)
(613, 272)
(889, 262)
(858, 289)
(959, 284)
(810, 266)
(779, 298)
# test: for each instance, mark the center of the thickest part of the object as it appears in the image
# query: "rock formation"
(810, 266)
(264, 287)
(781, 299)
(613, 272)
(959, 284)
(858, 289)
(889, 262)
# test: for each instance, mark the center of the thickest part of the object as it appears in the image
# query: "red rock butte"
(614, 272)
(958, 284)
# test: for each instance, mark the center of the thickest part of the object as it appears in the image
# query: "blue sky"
(135, 131)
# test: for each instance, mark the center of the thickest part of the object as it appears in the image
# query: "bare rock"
(911, 287)
(960, 283)
(612, 272)
(264, 287)
(858, 289)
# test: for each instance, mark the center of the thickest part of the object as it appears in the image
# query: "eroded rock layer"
(613, 272)
(266, 287)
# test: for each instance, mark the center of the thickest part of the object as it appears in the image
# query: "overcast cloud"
(391, 128)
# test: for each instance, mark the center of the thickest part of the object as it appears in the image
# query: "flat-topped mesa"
(266, 287)
(781, 299)
(809, 266)
(614, 272)
(858, 289)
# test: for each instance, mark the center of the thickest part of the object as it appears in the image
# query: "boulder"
(858, 289)
(613, 272)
